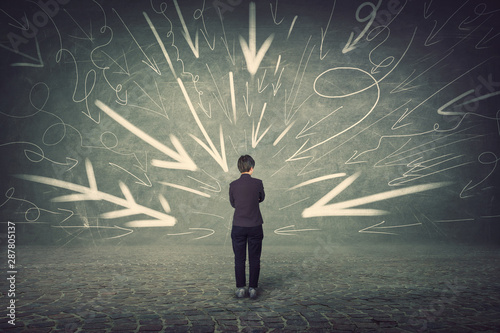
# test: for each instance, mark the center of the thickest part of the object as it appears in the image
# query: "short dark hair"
(245, 163)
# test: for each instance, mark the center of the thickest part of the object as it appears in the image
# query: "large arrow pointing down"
(252, 57)
(181, 157)
(346, 208)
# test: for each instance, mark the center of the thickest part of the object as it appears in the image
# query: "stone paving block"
(359, 291)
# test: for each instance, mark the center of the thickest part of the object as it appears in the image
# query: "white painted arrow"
(368, 230)
(291, 232)
(345, 208)
(255, 132)
(151, 63)
(194, 47)
(220, 158)
(38, 61)
(181, 157)
(252, 57)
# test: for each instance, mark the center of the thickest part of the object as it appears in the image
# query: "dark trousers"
(243, 236)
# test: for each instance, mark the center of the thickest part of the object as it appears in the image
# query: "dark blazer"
(245, 194)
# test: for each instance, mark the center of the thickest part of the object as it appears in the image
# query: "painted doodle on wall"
(124, 120)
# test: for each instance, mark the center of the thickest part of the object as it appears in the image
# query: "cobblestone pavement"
(190, 288)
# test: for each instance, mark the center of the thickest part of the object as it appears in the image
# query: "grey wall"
(122, 121)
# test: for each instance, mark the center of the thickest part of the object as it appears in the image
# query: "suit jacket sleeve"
(262, 194)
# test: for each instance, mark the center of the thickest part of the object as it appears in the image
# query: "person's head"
(246, 163)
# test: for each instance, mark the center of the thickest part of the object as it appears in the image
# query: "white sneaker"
(253, 293)
(240, 292)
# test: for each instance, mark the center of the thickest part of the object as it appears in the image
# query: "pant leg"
(255, 237)
(239, 239)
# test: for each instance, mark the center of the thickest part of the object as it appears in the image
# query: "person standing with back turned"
(245, 195)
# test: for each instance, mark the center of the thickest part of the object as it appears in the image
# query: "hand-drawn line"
(479, 10)
(208, 187)
(162, 46)
(345, 208)
(89, 37)
(291, 232)
(191, 232)
(260, 90)
(386, 62)
(124, 71)
(282, 135)
(83, 227)
(324, 32)
(490, 216)
(434, 32)
(38, 61)
(317, 180)
(20, 25)
(351, 45)
(419, 147)
(279, 151)
(31, 154)
(220, 158)
(151, 63)
(293, 204)
(456, 220)
(403, 86)
(301, 150)
(468, 187)
(278, 171)
(368, 230)
(255, 132)
(91, 193)
(291, 26)
(204, 229)
(232, 144)
(33, 213)
(381, 28)
(246, 100)
(363, 130)
(220, 99)
(194, 47)
(139, 181)
(307, 127)
(119, 86)
(277, 87)
(288, 117)
(224, 39)
(233, 95)
(86, 93)
(441, 111)
(111, 147)
(426, 9)
(416, 165)
(183, 161)
(407, 113)
(55, 27)
(194, 78)
(198, 13)
(163, 112)
(356, 155)
(187, 189)
(485, 40)
(277, 66)
(208, 214)
(253, 57)
(274, 13)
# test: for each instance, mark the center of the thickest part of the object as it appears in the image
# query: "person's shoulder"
(257, 180)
